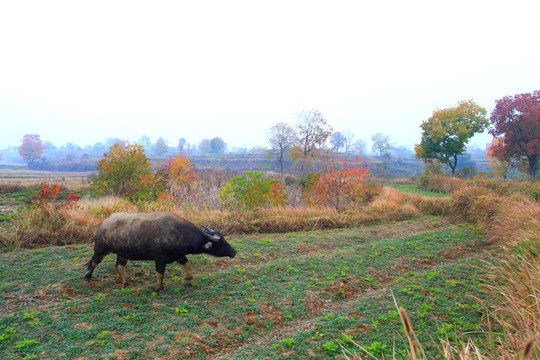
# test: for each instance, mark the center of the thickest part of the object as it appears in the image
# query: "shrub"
(252, 192)
(50, 221)
(433, 179)
(180, 176)
(125, 171)
(342, 185)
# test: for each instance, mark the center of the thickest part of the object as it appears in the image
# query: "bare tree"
(359, 147)
(348, 140)
(381, 144)
(313, 130)
(281, 138)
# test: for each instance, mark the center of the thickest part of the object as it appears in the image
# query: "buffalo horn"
(211, 234)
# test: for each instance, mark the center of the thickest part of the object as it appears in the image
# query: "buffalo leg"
(96, 259)
(160, 269)
(121, 268)
(187, 267)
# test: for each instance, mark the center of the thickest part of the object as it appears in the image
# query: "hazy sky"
(83, 71)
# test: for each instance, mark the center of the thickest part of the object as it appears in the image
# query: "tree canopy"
(32, 147)
(125, 171)
(217, 145)
(517, 120)
(161, 146)
(281, 138)
(446, 132)
(313, 130)
(381, 144)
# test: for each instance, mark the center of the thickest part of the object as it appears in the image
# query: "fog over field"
(83, 72)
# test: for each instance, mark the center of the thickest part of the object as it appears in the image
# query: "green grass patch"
(413, 189)
(295, 295)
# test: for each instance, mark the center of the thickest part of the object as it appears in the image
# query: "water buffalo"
(162, 237)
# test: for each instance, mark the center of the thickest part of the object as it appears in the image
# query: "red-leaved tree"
(32, 147)
(500, 161)
(517, 120)
(342, 184)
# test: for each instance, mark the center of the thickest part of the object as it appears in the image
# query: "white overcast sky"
(83, 71)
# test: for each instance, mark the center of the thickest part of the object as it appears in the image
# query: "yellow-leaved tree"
(446, 132)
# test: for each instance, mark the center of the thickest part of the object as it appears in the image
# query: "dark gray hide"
(162, 237)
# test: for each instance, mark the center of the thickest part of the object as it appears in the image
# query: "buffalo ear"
(207, 246)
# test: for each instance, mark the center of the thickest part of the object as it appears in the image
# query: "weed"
(330, 347)
(289, 342)
(8, 332)
(377, 348)
(181, 311)
(345, 340)
(24, 344)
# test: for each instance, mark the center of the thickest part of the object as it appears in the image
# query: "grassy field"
(318, 293)
(413, 189)
(30, 176)
(289, 296)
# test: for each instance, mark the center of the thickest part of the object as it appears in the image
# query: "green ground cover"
(412, 188)
(294, 295)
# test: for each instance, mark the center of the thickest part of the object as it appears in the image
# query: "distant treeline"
(388, 166)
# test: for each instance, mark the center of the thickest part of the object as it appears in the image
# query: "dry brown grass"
(49, 226)
(443, 184)
(475, 205)
(516, 222)
(513, 221)
(391, 205)
(105, 206)
(515, 278)
(40, 226)
(71, 180)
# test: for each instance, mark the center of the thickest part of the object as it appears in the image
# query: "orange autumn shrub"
(343, 184)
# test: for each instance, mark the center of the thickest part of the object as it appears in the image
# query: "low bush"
(431, 180)
(343, 185)
(126, 171)
(252, 191)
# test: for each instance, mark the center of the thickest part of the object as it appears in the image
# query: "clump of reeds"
(105, 206)
(393, 204)
(515, 277)
(41, 226)
(440, 183)
(475, 205)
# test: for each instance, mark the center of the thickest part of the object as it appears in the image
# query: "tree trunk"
(454, 166)
(281, 163)
(532, 165)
